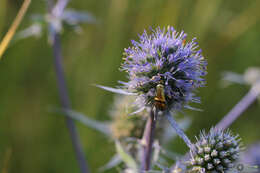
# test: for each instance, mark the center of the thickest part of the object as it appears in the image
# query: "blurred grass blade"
(128, 159)
(10, 33)
(243, 22)
(115, 90)
(113, 162)
(6, 160)
(99, 126)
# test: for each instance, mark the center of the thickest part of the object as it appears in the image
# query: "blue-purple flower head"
(164, 59)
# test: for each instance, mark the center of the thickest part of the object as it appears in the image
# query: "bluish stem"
(62, 88)
(147, 141)
(64, 98)
(240, 107)
(178, 130)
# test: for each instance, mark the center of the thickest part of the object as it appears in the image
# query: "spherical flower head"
(164, 69)
(215, 152)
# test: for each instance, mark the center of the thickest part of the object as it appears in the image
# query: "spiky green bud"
(215, 152)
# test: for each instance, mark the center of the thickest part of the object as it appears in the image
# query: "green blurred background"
(228, 33)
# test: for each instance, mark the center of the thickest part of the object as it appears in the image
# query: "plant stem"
(147, 141)
(240, 107)
(65, 101)
(17, 21)
(62, 87)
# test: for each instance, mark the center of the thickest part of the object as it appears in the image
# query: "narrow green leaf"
(127, 158)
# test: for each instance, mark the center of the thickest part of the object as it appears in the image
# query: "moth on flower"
(164, 69)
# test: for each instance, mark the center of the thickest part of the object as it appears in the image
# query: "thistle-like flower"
(215, 152)
(164, 69)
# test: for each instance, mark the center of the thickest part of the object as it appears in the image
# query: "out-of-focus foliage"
(250, 77)
(126, 127)
(251, 155)
(227, 31)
